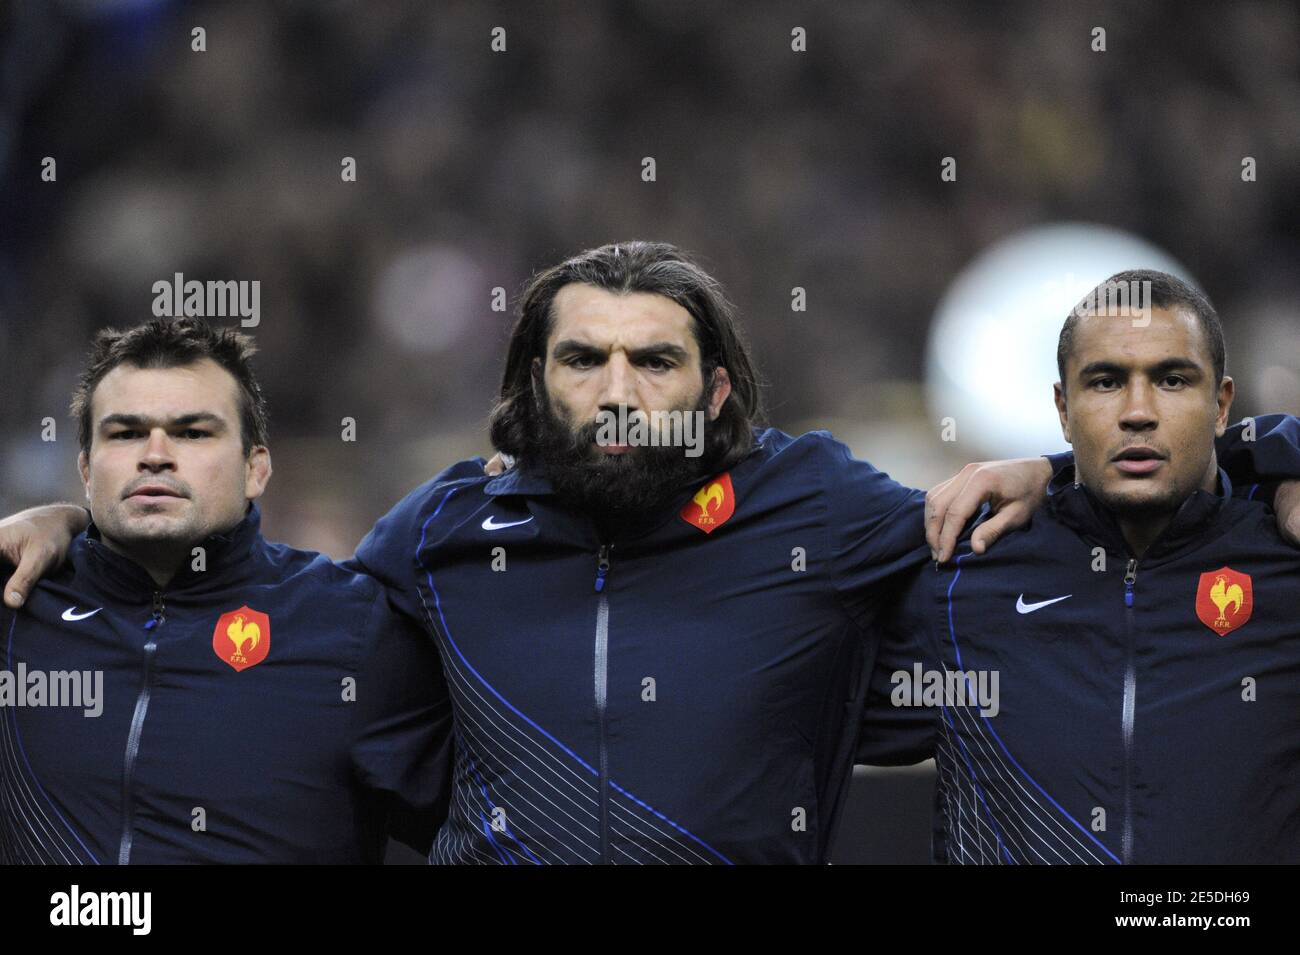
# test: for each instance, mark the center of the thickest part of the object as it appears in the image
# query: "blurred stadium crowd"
(474, 168)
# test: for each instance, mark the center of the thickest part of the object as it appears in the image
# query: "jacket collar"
(1078, 508)
(519, 480)
(228, 556)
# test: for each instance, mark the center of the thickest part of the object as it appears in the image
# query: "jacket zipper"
(601, 666)
(137, 727)
(1130, 707)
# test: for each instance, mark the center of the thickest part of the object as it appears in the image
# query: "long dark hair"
(625, 267)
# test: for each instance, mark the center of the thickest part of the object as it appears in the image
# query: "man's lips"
(153, 492)
(1138, 460)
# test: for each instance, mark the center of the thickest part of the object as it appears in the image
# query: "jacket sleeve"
(1260, 453)
(876, 528)
(893, 733)
(402, 749)
(388, 552)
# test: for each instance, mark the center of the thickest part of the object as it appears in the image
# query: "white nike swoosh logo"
(1022, 607)
(71, 614)
(491, 525)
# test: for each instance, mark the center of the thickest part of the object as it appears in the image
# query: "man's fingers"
(987, 534)
(933, 519)
(963, 504)
(1292, 529)
(35, 560)
(499, 464)
(963, 507)
(1286, 502)
(19, 585)
(937, 501)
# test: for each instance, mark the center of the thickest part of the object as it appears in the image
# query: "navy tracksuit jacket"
(268, 708)
(686, 696)
(1148, 710)
(689, 695)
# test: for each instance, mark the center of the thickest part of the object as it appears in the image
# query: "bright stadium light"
(991, 360)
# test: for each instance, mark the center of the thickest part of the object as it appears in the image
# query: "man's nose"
(157, 452)
(619, 384)
(1139, 412)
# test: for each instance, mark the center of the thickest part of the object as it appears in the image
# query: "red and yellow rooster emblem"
(242, 637)
(1224, 600)
(712, 505)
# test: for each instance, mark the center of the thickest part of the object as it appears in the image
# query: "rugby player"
(252, 702)
(1139, 634)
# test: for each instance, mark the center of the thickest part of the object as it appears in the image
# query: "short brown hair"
(173, 343)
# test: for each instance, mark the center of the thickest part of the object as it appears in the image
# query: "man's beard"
(615, 489)
(1143, 510)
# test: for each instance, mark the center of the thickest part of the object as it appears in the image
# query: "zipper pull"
(158, 611)
(602, 566)
(1130, 577)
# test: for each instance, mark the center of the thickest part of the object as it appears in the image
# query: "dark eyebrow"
(660, 350)
(1158, 370)
(1101, 368)
(181, 421)
(571, 346)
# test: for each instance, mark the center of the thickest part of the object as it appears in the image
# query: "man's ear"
(83, 465)
(1058, 395)
(257, 472)
(1226, 391)
(721, 385)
